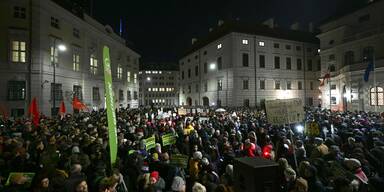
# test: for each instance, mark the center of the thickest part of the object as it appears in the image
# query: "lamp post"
(61, 48)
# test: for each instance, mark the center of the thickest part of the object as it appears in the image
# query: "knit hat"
(155, 175)
(197, 187)
(75, 149)
(205, 161)
(197, 155)
(178, 184)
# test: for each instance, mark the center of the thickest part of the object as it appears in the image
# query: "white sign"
(284, 111)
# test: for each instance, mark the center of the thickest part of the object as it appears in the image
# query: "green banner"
(110, 105)
(28, 177)
(168, 139)
(179, 160)
(150, 142)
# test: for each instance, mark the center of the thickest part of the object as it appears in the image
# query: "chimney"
(295, 26)
(310, 27)
(270, 23)
(194, 40)
(220, 22)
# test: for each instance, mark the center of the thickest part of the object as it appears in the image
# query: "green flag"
(110, 105)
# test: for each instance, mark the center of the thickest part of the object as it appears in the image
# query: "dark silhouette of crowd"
(336, 151)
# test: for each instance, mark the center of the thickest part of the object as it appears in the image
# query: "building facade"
(241, 65)
(32, 58)
(158, 88)
(349, 44)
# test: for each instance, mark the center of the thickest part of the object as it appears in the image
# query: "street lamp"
(62, 48)
(212, 66)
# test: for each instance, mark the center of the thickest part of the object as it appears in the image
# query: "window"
(277, 84)
(245, 60)
(277, 62)
(75, 60)
(121, 95)
(262, 61)
(262, 84)
(219, 46)
(189, 89)
(18, 50)
(135, 95)
(119, 72)
(196, 70)
(311, 85)
(246, 102)
(197, 88)
(19, 12)
(288, 62)
(331, 57)
(276, 45)
(182, 75)
(220, 85)
(16, 90)
(219, 63)
(55, 23)
(299, 85)
(289, 85)
(196, 57)
(128, 76)
(245, 41)
(56, 92)
(364, 18)
(309, 67)
(368, 53)
(261, 43)
(245, 84)
(299, 64)
(189, 73)
(333, 101)
(135, 78)
(205, 52)
(318, 65)
(333, 87)
(93, 64)
(348, 58)
(205, 86)
(76, 32)
(17, 112)
(95, 94)
(332, 68)
(298, 48)
(77, 92)
(288, 47)
(331, 42)
(205, 67)
(189, 60)
(377, 96)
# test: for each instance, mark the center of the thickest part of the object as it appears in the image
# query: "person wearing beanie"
(197, 187)
(157, 183)
(194, 165)
(178, 184)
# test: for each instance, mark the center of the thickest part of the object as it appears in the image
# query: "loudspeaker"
(255, 175)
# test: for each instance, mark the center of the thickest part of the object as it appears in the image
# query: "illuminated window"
(93, 64)
(134, 78)
(219, 46)
(129, 76)
(277, 84)
(16, 90)
(18, 50)
(261, 43)
(377, 96)
(76, 60)
(119, 72)
(245, 42)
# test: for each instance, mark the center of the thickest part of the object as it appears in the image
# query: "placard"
(284, 111)
(28, 175)
(168, 139)
(150, 142)
(179, 160)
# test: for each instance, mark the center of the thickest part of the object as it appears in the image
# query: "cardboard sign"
(181, 111)
(150, 143)
(180, 160)
(284, 111)
(168, 139)
(29, 177)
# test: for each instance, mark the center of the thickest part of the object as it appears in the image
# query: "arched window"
(377, 96)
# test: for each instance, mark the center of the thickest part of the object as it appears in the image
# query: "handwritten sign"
(181, 111)
(168, 139)
(284, 111)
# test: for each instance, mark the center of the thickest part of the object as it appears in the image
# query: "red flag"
(326, 76)
(34, 112)
(76, 104)
(62, 109)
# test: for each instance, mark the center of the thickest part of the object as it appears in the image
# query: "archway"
(206, 101)
(189, 101)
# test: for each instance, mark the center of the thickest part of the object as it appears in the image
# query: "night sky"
(162, 29)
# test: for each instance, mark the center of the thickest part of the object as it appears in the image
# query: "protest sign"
(150, 142)
(181, 111)
(284, 111)
(168, 139)
(179, 160)
(312, 129)
(28, 176)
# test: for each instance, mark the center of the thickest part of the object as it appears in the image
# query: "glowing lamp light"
(212, 66)
(299, 128)
(148, 78)
(62, 47)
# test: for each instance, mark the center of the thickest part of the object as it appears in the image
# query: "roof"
(162, 66)
(258, 29)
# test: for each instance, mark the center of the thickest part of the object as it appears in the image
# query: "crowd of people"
(71, 154)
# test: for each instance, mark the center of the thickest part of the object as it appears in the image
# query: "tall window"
(262, 61)
(55, 23)
(182, 75)
(220, 85)
(197, 88)
(189, 73)
(277, 84)
(75, 60)
(262, 84)
(189, 89)
(245, 84)
(119, 72)
(76, 32)
(309, 67)
(95, 94)
(129, 97)
(135, 95)
(18, 50)
(288, 62)
(205, 67)
(219, 63)
(56, 92)
(121, 95)
(348, 58)
(245, 60)
(311, 85)
(205, 87)
(300, 85)
(16, 90)
(77, 92)
(54, 55)
(277, 62)
(289, 85)
(135, 78)
(19, 12)
(377, 96)
(299, 65)
(196, 70)
(128, 76)
(93, 64)
(368, 53)
(246, 102)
